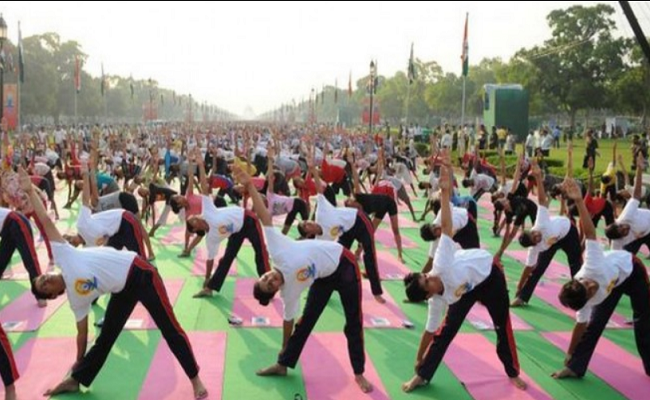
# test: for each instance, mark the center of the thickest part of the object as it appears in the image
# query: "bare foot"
(68, 385)
(380, 299)
(183, 255)
(152, 257)
(364, 385)
(564, 373)
(401, 259)
(205, 292)
(517, 302)
(42, 303)
(519, 383)
(200, 392)
(10, 392)
(273, 370)
(413, 384)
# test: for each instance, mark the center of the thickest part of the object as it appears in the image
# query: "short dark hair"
(264, 298)
(526, 239)
(421, 186)
(498, 206)
(467, 182)
(556, 190)
(435, 206)
(176, 207)
(573, 295)
(414, 292)
(612, 232)
(426, 233)
(191, 229)
(303, 233)
(606, 179)
(43, 296)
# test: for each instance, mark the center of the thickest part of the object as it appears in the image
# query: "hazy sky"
(260, 55)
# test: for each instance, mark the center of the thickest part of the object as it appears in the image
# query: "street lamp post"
(3, 36)
(373, 72)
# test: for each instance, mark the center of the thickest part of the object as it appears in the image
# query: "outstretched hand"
(571, 189)
(24, 180)
(241, 176)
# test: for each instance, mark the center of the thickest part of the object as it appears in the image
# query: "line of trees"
(582, 69)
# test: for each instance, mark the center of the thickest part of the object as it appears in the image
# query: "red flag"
(77, 74)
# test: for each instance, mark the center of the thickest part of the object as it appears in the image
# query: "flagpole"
(76, 93)
(408, 100)
(462, 113)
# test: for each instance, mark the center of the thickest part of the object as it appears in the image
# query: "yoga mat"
(385, 237)
(328, 374)
(548, 291)
(17, 271)
(140, 319)
(24, 315)
(249, 310)
(555, 270)
(167, 380)
(375, 315)
(176, 235)
(474, 361)
(404, 222)
(42, 364)
(479, 318)
(486, 204)
(612, 364)
(198, 268)
(390, 268)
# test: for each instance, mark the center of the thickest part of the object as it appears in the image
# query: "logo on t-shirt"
(306, 273)
(278, 208)
(227, 229)
(336, 231)
(83, 287)
(462, 289)
(611, 285)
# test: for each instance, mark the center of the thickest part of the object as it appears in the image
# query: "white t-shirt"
(109, 202)
(481, 181)
(91, 272)
(301, 262)
(637, 219)
(334, 221)
(460, 271)
(552, 230)
(223, 222)
(608, 268)
(278, 204)
(459, 218)
(92, 227)
(3, 215)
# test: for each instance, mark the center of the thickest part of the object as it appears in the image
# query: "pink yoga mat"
(479, 318)
(17, 271)
(404, 222)
(166, 379)
(555, 270)
(24, 315)
(474, 361)
(612, 364)
(548, 291)
(486, 204)
(375, 315)
(385, 237)
(328, 374)
(390, 268)
(140, 319)
(176, 235)
(249, 310)
(198, 268)
(42, 364)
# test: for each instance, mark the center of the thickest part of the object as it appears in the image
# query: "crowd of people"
(335, 187)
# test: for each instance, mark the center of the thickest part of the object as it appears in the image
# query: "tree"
(578, 65)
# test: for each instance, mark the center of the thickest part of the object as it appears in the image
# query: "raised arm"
(203, 180)
(569, 171)
(537, 173)
(638, 179)
(86, 199)
(258, 204)
(446, 171)
(49, 228)
(572, 190)
(270, 176)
